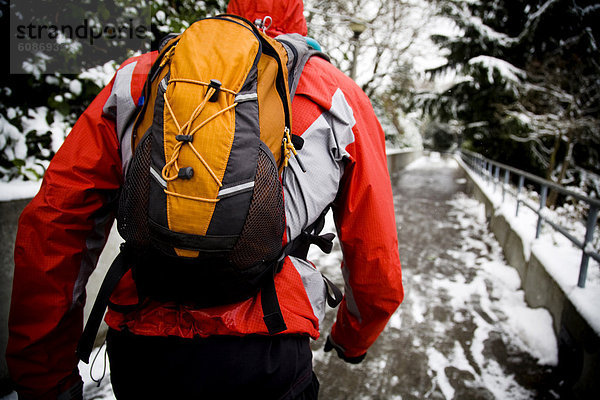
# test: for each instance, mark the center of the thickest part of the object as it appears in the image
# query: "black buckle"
(215, 84)
(323, 242)
(184, 138)
(298, 142)
(186, 173)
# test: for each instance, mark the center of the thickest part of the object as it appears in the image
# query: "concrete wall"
(398, 159)
(579, 344)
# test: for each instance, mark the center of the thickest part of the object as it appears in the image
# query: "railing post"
(521, 184)
(489, 168)
(505, 184)
(589, 236)
(496, 176)
(543, 197)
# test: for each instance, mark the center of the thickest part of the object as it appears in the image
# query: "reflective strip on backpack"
(246, 97)
(163, 84)
(158, 177)
(230, 191)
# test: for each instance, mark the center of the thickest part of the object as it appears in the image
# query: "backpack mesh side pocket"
(261, 236)
(132, 219)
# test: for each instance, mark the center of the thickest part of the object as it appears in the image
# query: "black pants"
(220, 367)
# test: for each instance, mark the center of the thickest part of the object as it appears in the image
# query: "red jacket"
(63, 230)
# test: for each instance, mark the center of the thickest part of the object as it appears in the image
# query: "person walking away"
(170, 350)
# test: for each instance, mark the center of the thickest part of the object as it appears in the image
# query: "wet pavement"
(455, 335)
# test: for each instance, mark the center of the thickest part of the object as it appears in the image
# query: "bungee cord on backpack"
(185, 136)
(214, 87)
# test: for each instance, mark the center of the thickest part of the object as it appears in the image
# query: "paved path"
(456, 335)
(463, 331)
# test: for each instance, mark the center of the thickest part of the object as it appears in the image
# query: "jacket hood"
(287, 15)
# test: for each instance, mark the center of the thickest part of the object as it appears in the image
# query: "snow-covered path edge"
(551, 274)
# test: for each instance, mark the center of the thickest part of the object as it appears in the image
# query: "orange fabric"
(271, 128)
(288, 16)
(213, 141)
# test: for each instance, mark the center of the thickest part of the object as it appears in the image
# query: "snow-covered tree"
(528, 81)
(381, 55)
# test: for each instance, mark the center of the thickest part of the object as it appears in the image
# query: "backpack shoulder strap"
(298, 54)
(115, 273)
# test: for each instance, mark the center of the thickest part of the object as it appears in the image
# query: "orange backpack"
(201, 209)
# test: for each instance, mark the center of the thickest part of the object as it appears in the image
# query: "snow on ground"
(561, 258)
(464, 329)
(91, 389)
(17, 190)
(433, 160)
(532, 328)
(499, 308)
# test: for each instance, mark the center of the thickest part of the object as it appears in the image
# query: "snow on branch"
(478, 124)
(486, 31)
(556, 92)
(507, 71)
(540, 11)
(500, 38)
(534, 18)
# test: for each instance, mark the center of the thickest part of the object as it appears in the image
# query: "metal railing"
(492, 170)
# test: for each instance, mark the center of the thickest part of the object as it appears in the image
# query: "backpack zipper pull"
(289, 149)
(167, 57)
